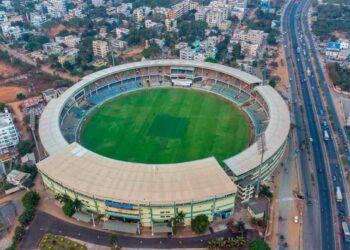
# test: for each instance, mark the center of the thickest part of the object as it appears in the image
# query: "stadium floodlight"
(261, 145)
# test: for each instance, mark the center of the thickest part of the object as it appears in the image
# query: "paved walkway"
(45, 223)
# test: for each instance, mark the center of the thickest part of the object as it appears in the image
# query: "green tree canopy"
(200, 224)
(152, 51)
(2, 107)
(259, 245)
(24, 147)
(30, 200)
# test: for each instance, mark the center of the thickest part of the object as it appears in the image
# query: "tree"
(19, 233)
(178, 222)
(113, 240)
(240, 226)
(21, 96)
(200, 224)
(272, 83)
(152, 51)
(24, 147)
(2, 107)
(211, 60)
(27, 216)
(68, 208)
(265, 191)
(259, 245)
(30, 200)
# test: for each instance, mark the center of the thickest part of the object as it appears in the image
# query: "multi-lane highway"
(307, 102)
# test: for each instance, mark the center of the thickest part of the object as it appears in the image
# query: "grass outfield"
(166, 126)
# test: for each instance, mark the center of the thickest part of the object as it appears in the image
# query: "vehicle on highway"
(346, 231)
(326, 135)
(296, 219)
(339, 194)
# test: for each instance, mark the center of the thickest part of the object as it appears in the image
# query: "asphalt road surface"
(45, 223)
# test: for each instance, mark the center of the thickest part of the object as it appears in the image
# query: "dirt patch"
(340, 35)
(6, 70)
(8, 93)
(134, 51)
(281, 71)
(19, 115)
(57, 29)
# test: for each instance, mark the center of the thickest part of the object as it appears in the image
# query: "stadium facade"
(149, 193)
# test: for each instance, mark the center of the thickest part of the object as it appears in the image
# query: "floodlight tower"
(261, 145)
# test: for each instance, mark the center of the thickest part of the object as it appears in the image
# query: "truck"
(326, 135)
(339, 194)
(346, 231)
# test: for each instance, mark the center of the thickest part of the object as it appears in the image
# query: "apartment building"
(100, 48)
(9, 137)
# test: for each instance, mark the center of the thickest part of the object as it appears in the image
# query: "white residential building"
(201, 12)
(56, 8)
(140, 13)
(216, 16)
(100, 48)
(16, 177)
(120, 32)
(97, 3)
(117, 45)
(252, 36)
(37, 19)
(344, 43)
(186, 53)
(70, 40)
(8, 134)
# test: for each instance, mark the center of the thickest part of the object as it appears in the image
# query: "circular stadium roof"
(84, 171)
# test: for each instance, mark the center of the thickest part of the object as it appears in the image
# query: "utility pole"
(261, 144)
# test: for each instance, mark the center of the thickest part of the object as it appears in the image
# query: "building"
(16, 177)
(251, 36)
(120, 32)
(147, 193)
(70, 40)
(216, 16)
(56, 8)
(258, 208)
(28, 159)
(97, 3)
(140, 13)
(186, 53)
(201, 12)
(49, 94)
(37, 19)
(100, 48)
(9, 137)
(53, 48)
(332, 50)
(70, 55)
(117, 45)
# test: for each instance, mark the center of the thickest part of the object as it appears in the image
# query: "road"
(325, 152)
(45, 223)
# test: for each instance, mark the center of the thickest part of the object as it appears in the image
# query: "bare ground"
(8, 93)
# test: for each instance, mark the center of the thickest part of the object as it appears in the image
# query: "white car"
(296, 219)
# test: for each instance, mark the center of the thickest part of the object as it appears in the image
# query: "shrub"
(200, 224)
(21, 96)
